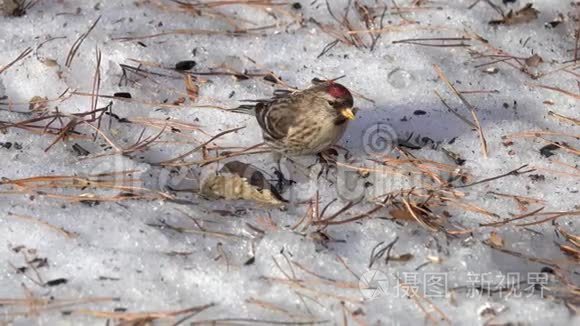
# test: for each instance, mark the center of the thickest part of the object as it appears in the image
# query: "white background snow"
(112, 251)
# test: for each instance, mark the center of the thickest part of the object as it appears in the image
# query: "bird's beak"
(347, 113)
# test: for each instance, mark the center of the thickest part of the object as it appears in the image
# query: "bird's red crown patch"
(338, 91)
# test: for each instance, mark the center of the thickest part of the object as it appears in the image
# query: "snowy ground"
(81, 244)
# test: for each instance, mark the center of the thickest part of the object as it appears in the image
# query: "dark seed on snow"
(185, 65)
(123, 94)
(548, 150)
(56, 282)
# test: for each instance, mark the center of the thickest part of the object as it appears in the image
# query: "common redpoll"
(304, 122)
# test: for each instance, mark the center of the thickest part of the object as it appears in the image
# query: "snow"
(243, 259)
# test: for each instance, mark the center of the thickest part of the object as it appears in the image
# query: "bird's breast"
(315, 136)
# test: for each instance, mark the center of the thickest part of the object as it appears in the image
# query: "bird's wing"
(276, 117)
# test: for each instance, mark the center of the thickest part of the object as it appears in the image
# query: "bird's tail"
(251, 108)
(245, 109)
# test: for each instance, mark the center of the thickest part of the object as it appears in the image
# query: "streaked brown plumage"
(307, 121)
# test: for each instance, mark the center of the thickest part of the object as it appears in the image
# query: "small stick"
(515, 172)
(360, 216)
(21, 56)
(233, 154)
(96, 88)
(200, 146)
(194, 32)
(380, 253)
(556, 89)
(139, 317)
(469, 106)
(325, 221)
(59, 230)
(77, 44)
(555, 216)
(417, 218)
(422, 42)
(464, 119)
(576, 46)
(495, 224)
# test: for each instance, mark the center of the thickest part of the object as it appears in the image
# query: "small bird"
(304, 122)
